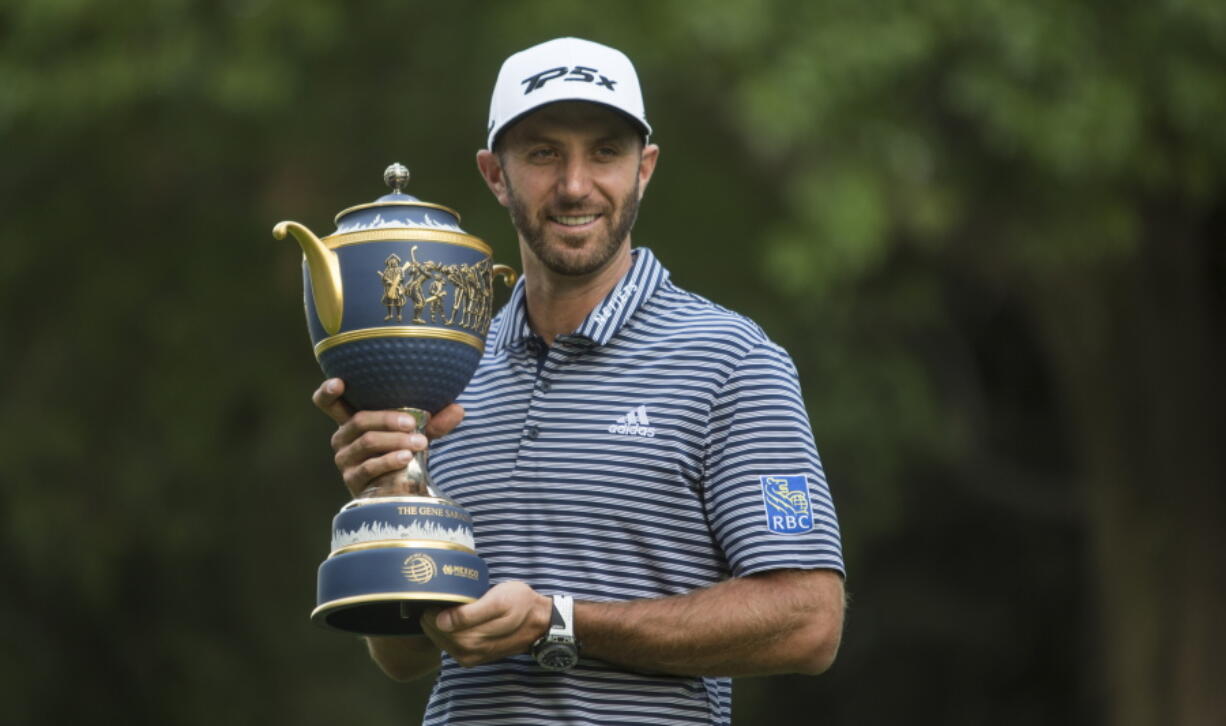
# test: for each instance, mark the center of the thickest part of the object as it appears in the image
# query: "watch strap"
(562, 618)
(558, 649)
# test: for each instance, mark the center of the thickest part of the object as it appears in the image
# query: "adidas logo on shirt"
(634, 423)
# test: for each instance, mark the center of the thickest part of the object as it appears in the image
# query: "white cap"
(565, 69)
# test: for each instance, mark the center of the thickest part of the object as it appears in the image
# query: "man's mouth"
(574, 220)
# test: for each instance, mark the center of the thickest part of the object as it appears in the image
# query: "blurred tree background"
(989, 231)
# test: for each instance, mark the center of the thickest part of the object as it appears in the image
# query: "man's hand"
(507, 620)
(373, 447)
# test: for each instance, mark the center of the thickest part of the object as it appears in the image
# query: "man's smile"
(574, 220)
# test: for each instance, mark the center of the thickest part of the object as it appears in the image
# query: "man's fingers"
(377, 443)
(373, 447)
(510, 601)
(463, 617)
(358, 477)
(444, 421)
(363, 421)
(327, 398)
(504, 621)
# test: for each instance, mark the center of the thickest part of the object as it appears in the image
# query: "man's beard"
(533, 232)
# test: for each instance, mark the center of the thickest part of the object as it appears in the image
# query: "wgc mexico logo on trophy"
(398, 301)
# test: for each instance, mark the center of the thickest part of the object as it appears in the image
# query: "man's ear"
(491, 171)
(647, 166)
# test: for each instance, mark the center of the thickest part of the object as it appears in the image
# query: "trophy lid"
(397, 210)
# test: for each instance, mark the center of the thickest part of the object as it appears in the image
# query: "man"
(637, 460)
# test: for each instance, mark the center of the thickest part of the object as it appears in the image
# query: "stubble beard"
(551, 256)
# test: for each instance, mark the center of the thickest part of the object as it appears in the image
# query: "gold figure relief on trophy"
(393, 287)
(424, 286)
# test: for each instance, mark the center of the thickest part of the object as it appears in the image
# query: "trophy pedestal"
(393, 557)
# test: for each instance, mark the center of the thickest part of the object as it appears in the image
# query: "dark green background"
(989, 232)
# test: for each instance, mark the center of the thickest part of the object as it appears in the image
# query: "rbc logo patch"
(788, 510)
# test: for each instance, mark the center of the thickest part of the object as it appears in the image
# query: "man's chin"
(583, 259)
(575, 245)
(575, 238)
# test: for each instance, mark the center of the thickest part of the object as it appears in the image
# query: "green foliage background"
(989, 231)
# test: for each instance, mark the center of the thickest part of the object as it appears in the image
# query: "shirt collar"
(645, 276)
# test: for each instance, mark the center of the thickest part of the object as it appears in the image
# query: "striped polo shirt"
(661, 447)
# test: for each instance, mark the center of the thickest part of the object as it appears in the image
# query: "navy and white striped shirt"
(660, 448)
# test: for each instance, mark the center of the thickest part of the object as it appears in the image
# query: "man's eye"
(540, 154)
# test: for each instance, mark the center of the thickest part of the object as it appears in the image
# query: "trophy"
(398, 301)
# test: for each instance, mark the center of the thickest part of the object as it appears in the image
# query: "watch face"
(557, 656)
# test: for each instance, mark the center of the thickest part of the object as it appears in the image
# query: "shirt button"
(531, 432)
(544, 386)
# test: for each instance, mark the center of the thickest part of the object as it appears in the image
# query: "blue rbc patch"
(788, 509)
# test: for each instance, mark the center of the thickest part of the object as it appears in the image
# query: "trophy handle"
(507, 273)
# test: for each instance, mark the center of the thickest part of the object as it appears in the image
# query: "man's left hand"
(507, 620)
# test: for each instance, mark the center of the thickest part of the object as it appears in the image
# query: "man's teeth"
(575, 221)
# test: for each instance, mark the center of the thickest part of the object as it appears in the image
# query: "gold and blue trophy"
(398, 301)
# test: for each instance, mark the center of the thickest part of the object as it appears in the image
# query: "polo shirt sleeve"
(764, 489)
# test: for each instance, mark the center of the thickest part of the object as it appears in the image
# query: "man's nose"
(576, 180)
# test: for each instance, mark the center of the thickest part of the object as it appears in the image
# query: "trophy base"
(385, 613)
(382, 589)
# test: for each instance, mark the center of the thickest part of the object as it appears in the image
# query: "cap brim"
(638, 124)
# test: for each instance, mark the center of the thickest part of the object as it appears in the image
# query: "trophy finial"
(396, 176)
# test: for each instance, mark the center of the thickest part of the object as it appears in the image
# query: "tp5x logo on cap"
(565, 69)
(582, 74)
(786, 498)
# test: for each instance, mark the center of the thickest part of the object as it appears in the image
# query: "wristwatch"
(558, 650)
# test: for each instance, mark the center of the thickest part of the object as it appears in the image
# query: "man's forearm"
(784, 621)
(404, 658)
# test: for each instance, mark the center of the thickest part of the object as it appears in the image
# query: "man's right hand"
(373, 447)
